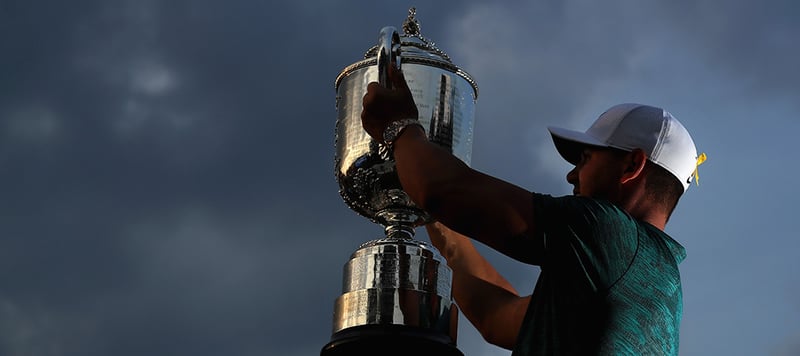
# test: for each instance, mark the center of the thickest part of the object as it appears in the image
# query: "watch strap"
(393, 131)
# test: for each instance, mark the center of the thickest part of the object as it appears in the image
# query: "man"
(609, 281)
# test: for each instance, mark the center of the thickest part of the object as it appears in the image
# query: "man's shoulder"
(663, 243)
(580, 207)
(595, 226)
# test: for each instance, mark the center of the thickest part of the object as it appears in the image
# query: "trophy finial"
(411, 25)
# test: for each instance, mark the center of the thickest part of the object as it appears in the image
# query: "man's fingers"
(397, 78)
(373, 87)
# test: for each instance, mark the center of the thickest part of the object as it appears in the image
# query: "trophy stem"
(399, 222)
(400, 232)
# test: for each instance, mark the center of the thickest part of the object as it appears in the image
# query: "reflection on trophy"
(396, 295)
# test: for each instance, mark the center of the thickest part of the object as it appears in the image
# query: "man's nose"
(572, 176)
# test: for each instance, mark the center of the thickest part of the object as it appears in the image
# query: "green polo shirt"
(609, 284)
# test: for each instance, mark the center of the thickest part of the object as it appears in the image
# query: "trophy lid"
(413, 43)
(415, 48)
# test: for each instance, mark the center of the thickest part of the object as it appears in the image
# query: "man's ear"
(636, 161)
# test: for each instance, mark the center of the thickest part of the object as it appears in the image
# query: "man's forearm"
(463, 257)
(470, 202)
(487, 299)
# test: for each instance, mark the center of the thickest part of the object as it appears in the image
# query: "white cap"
(629, 126)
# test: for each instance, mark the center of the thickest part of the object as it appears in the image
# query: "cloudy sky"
(166, 167)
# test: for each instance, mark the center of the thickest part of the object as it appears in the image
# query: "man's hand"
(382, 105)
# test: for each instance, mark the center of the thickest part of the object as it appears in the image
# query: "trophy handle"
(388, 54)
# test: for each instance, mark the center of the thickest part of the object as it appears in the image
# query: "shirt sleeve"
(580, 237)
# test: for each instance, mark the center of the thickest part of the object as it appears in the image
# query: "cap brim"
(570, 143)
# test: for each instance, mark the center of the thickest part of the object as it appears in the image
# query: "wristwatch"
(393, 131)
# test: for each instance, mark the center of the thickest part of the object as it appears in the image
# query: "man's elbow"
(430, 196)
(498, 336)
(501, 326)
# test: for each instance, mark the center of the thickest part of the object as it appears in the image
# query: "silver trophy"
(396, 293)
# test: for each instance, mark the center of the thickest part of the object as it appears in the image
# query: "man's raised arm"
(470, 202)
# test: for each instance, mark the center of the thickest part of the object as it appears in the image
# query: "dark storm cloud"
(120, 121)
(751, 43)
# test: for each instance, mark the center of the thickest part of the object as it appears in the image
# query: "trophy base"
(389, 340)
